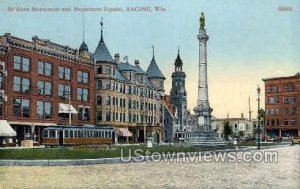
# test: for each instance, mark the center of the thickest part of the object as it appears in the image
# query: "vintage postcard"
(149, 94)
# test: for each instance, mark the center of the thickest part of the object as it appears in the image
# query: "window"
(21, 63)
(293, 99)
(82, 94)
(99, 100)
(83, 113)
(293, 111)
(107, 115)
(44, 68)
(64, 73)
(108, 100)
(129, 104)
(64, 91)
(99, 70)
(269, 89)
(99, 116)
(82, 77)
(108, 83)
(44, 109)
(286, 122)
(285, 88)
(1, 106)
(277, 122)
(291, 88)
(21, 84)
(44, 88)
(99, 84)
(108, 70)
(1, 81)
(293, 122)
(20, 107)
(285, 111)
(134, 90)
(285, 100)
(129, 89)
(113, 71)
(272, 122)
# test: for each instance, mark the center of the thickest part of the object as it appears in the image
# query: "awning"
(6, 130)
(32, 123)
(124, 132)
(66, 108)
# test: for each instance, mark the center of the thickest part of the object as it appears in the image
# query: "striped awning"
(6, 130)
(124, 132)
(66, 108)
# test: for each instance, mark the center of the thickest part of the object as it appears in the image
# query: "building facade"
(177, 117)
(241, 127)
(127, 97)
(42, 83)
(282, 106)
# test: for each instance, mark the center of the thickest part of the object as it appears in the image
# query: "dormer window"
(99, 70)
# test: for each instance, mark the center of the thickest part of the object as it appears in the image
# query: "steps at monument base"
(205, 141)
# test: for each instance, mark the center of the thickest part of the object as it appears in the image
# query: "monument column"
(203, 110)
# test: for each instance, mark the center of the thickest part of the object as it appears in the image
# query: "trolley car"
(78, 135)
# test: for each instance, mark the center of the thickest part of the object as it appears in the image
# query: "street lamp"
(258, 117)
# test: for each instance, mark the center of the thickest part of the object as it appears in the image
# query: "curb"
(139, 159)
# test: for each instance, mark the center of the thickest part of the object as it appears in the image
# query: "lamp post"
(258, 117)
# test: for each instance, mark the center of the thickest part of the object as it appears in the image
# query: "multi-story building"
(177, 117)
(241, 127)
(42, 83)
(127, 97)
(282, 106)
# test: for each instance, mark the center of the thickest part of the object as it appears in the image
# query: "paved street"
(284, 174)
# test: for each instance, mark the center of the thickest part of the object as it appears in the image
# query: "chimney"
(136, 62)
(117, 58)
(242, 115)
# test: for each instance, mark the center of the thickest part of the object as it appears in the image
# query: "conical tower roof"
(153, 70)
(178, 61)
(101, 53)
(83, 47)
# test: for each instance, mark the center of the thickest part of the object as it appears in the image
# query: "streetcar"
(78, 135)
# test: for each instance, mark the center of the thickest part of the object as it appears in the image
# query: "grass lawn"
(92, 152)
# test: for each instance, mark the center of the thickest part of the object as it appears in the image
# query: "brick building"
(127, 97)
(282, 106)
(34, 85)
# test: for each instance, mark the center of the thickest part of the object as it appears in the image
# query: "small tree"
(241, 133)
(227, 130)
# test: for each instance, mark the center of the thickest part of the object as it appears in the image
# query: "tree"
(227, 130)
(241, 133)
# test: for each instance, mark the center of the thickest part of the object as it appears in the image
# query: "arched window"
(99, 70)
(1, 106)
(108, 100)
(99, 100)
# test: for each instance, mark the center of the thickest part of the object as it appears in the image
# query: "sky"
(248, 39)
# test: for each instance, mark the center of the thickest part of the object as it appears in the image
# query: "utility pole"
(69, 96)
(258, 117)
(250, 112)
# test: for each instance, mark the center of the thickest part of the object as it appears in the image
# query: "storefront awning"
(124, 132)
(6, 130)
(66, 108)
(32, 123)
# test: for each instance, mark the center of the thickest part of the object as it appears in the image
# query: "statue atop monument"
(202, 21)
